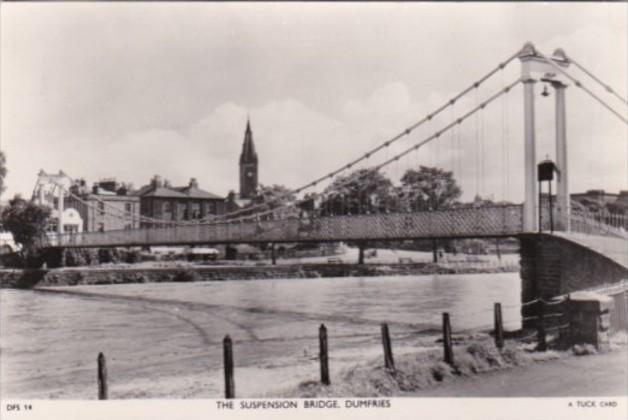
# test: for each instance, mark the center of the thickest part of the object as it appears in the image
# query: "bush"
(186, 276)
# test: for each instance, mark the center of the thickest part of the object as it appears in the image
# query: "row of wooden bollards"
(389, 362)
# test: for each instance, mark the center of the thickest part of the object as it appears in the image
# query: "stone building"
(160, 200)
(106, 206)
(601, 202)
(77, 208)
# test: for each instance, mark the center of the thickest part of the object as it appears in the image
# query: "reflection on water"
(50, 337)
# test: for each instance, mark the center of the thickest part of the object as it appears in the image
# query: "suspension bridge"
(454, 136)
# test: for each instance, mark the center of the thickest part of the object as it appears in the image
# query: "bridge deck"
(614, 248)
(458, 223)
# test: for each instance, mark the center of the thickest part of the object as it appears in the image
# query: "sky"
(130, 90)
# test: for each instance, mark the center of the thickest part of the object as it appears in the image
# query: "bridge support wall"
(552, 266)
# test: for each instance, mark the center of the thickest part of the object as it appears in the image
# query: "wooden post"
(434, 251)
(499, 326)
(228, 366)
(499, 253)
(361, 254)
(324, 358)
(388, 356)
(103, 391)
(449, 353)
(540, 328)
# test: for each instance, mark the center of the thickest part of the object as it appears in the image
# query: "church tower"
(248, 165)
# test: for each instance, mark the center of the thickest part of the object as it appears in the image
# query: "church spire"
(248, 154)
(248, 164)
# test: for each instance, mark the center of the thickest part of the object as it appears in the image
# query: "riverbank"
(121, 274)
(164, 340)
(483, 371)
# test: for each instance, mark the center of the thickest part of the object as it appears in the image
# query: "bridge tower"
(47, 185)
(535, 68)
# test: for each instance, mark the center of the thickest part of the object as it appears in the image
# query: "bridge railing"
(591, 223)
(602, 223)
(499, 220)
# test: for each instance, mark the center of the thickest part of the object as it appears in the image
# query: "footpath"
(596, 375)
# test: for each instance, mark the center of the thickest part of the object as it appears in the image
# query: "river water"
(165, 339)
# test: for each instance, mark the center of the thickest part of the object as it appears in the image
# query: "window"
(128, 207)
(196, 210)
(101, 207)
(101, 227)
(70, 228)
(182, 211)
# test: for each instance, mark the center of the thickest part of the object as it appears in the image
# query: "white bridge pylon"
(536, 67)
(47, 187)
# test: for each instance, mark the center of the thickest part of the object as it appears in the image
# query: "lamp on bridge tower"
(534, 67)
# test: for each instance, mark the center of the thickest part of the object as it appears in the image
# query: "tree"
(3, 171)
(427, 189)
(27, 223)
(362, 191)
(269, 198)
(272, 196)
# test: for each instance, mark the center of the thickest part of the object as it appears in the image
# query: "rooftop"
(158, 189)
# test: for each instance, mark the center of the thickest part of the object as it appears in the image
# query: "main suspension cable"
(581, 86)
(383, 145)
(588, 73)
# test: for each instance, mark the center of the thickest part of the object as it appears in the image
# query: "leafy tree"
(27, 222)
(272, 196)
(269, 198)
(427, 189)
(362, 191)
(3, 171)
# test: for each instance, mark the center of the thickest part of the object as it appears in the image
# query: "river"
(165, 339)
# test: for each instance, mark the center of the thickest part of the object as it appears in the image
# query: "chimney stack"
(156, 181)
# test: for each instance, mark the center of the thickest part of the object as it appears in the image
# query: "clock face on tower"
(249, 174)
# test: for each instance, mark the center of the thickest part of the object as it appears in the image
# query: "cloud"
(172, 95)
